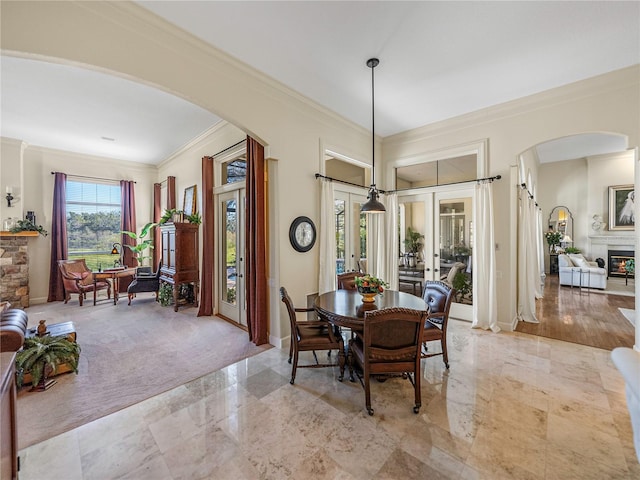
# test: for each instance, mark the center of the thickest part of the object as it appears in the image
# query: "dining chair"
(347, 280)
(389, 344)
(309, 336)
(438, 296)
(77, 278)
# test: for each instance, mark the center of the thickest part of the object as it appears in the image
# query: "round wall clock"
(302, 234)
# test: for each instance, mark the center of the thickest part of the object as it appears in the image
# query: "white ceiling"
(437, 60)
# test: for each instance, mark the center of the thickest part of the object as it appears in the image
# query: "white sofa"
(576, 271)
(627, 361)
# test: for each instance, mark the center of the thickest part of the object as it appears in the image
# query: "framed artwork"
(621, 205)
(189, 205)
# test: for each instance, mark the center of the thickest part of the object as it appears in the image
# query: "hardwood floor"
(579, 316)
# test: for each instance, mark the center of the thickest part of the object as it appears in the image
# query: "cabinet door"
(171, 242)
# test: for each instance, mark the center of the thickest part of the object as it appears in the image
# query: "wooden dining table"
(344, 308)
(113, 275)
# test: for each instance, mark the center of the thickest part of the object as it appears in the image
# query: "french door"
(351, 232)
(231, 284)
(445, 220)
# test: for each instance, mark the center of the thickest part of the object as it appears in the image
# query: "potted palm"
(142, 242)
(41, 356)
(413, 245)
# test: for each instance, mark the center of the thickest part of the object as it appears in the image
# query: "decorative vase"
(368, 294)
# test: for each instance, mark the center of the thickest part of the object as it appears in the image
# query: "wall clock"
(302, 234)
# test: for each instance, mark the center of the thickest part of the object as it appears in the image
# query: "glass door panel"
(231, 273)
(454, 231)
(351, 232)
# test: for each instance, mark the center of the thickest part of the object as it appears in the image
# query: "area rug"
(629, 315)
(129, 354)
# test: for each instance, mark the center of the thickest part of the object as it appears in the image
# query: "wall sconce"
(115, 251)
(9, 196)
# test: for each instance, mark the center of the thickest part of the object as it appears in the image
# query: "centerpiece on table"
(370, 286)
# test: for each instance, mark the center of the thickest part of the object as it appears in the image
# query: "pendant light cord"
(374, 62)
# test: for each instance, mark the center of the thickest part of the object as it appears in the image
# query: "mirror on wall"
(561, 220)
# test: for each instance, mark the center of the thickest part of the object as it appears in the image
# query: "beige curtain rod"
(92, 178)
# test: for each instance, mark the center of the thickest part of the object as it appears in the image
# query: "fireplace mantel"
(613, 240)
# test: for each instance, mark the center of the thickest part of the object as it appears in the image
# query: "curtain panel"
(485, 301)
(327, 239)
(58, 237)
(208, 239)
(171, 193)
(127, 222)
(255, 250)
(157, 214)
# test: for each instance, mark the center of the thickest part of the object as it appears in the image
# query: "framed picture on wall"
(621, 207)
(189, 205)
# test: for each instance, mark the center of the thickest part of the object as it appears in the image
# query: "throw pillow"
(580, 262)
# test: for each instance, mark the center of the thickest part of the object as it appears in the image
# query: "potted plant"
(370, 286)
(41, 355)
(553, 239)
(413, 245)
(143, 243)
(28, 226)
(571, 250)
(165, 294)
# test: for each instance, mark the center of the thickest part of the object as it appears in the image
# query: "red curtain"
(127, 222)
(256, 245)
(58, 237)
(206, 281)
(157, 213)
(171, 193)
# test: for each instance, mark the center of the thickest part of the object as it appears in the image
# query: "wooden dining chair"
(389, 344)
(309, 336)
(347, 280)
(438, 296)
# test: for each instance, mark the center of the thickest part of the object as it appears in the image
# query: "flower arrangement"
(370, 284)
(553, 239)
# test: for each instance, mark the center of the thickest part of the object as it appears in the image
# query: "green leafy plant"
(571, 250)
(194, 218)
(630, 266)
(413, 241)
(28, 226)
(143, 243)
(168, 215)
(165, 294)
(39, 352)
(462, 283)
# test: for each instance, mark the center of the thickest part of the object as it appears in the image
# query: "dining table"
(345, 309)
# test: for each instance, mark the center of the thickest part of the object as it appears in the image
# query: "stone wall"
(14, 271)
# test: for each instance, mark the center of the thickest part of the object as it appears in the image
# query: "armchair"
(77, 278)
(144, 281)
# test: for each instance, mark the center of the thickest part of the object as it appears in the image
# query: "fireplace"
(617, 259)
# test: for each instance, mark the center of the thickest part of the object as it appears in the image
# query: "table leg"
(95, 286)
(116, 288)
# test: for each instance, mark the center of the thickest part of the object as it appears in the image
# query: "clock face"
(302, 234)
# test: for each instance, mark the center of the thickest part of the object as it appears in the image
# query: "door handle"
(240, 275)
(428, 269)
(435, 269)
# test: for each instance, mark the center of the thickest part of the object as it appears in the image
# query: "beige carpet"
(129, 353)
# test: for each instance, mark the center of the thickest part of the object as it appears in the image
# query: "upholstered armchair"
(144, 281)
(77, 278)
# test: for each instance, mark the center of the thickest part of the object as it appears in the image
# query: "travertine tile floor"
(511, 406)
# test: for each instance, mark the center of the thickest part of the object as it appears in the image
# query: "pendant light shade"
(372, 205)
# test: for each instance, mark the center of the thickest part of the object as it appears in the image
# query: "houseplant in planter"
(413, 245)
(41, 356)
(143, 243)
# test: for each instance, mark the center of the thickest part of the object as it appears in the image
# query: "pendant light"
(372, 205)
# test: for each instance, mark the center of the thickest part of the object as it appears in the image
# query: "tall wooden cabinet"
(180, 259)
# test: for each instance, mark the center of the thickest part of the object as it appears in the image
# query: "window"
(234, 171)
(93, 222)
